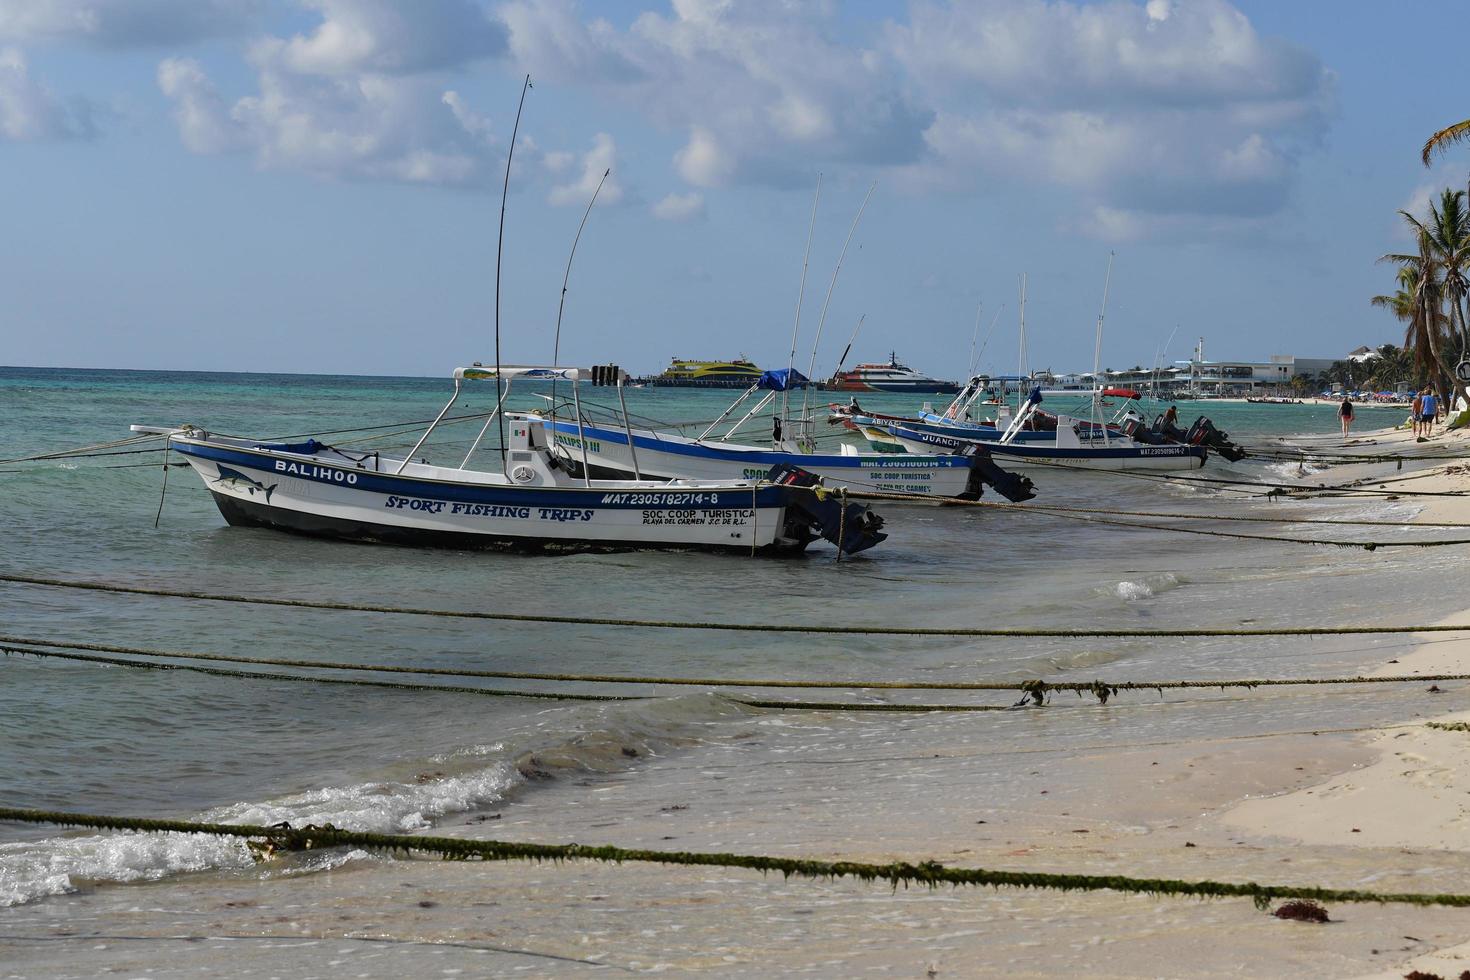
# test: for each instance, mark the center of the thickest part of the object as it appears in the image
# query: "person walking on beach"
(1345, 413)
(1428, 410)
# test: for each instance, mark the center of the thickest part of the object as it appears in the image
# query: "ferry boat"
(892, 376)
(682, 373)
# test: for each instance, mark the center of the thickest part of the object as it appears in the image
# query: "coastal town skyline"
(278, 186)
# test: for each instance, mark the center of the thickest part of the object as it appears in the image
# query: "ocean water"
(105, 739)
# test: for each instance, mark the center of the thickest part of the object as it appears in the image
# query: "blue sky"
(313, 185)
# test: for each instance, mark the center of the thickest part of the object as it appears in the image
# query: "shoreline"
(1138, 802)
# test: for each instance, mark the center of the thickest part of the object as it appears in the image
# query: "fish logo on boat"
(236, 480)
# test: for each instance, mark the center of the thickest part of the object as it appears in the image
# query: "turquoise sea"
(106, 739)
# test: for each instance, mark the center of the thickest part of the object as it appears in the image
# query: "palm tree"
(1445, 138)
(1401, 303)
(1422, 278)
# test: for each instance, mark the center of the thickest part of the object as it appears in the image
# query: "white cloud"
(29, 112)
(1138, 106)
(126, 23)
(1146, 111)
(388, 36)
(703, 161)
(356, 97)
(595, 162)
(205, 125)
(680, 207)
(765, 90)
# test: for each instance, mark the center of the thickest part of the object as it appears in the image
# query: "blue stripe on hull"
(672, 498)
(1026, 451)
(767, 457)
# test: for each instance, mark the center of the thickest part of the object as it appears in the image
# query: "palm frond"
(1445, 138)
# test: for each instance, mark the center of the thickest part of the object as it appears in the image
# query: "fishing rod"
(822, 320)
(1097, 414)
(989, 332)
(499, 250)
(796, 326)
(561, 306)
(850, 341)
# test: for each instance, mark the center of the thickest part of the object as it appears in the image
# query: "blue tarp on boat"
(782, 379)
(308, 448)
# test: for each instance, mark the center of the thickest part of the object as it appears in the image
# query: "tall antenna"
(974, 336)
(989, 332)
(560, 306)
(821, 320)
(800, 293)
(1021, 346)
(1097, 349)
(499, 248)
(1097, 419)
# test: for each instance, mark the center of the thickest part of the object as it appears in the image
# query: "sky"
(315, 185)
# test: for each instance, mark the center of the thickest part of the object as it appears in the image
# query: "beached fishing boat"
(532, 504)
(617, 450)
(1035, 426)
(1073, 443)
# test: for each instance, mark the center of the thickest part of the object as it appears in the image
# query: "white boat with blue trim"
(533, 504)
(616, 449)
(1073, 443)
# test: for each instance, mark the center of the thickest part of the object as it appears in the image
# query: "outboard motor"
(1169, 430)
(983, 470)
(1133, 427)
(1204, 433)
(851, 527)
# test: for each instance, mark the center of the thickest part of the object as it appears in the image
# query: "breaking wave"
(596, 739)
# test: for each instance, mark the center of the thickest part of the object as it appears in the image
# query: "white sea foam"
(51, 867)
(378, 807)
(1132, 591)
(1149, 587)
(36, 869)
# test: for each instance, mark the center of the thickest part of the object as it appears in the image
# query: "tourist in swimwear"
(1345, 413)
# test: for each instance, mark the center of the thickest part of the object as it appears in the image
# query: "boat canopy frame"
(509, 373)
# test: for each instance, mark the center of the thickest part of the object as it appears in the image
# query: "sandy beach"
(1379, 806)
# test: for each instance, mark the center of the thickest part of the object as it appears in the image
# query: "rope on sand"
(809, 628)
(264, 841)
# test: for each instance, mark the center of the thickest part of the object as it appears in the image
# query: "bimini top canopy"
(600, 374)
(782, 379)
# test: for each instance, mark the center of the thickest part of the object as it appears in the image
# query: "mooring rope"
(1058, 509)
(781, 705)
(930, 874)
(83, 450)
(809, 628)
(1273, 489)
(1034, 689)
(1234, 535)
(264, 676)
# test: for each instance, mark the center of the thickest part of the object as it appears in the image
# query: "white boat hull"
(671, 457)
(326, 494)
